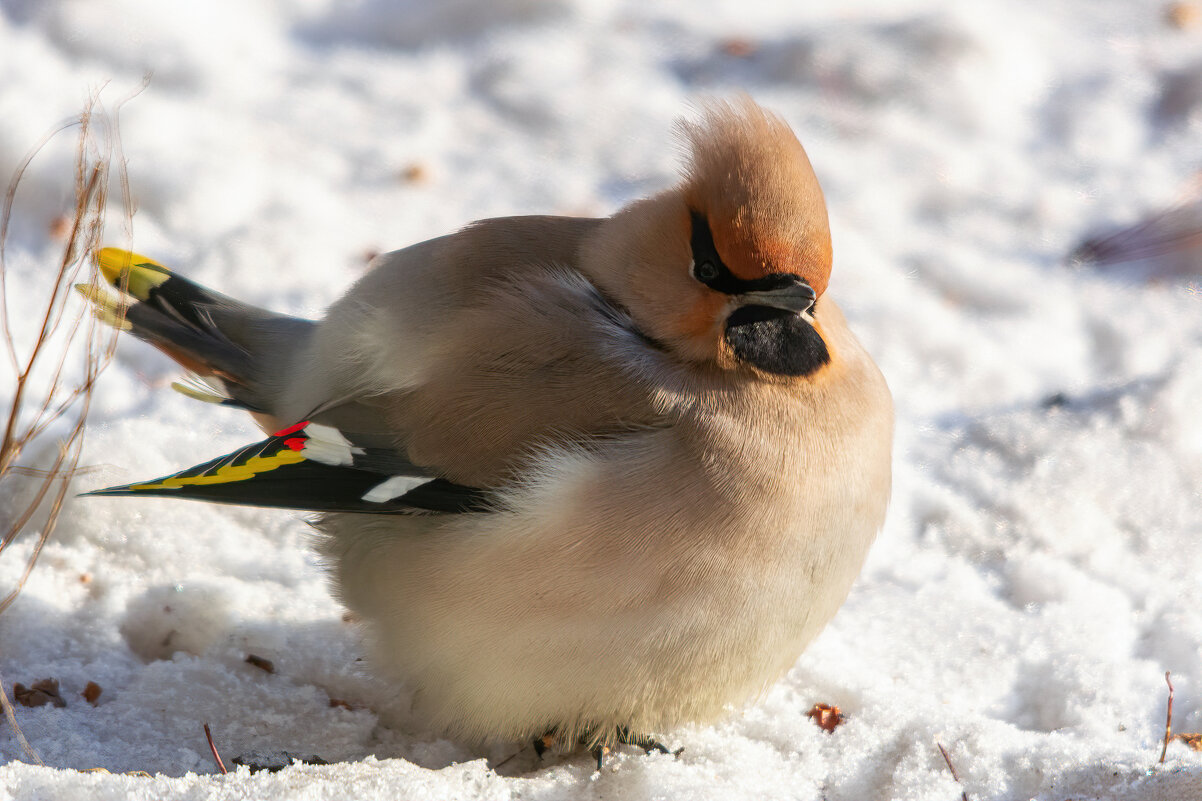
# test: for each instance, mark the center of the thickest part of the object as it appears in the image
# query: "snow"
(1038, 573)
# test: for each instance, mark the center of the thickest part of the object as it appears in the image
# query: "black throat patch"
(776, 341)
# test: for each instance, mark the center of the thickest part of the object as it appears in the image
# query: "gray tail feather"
(245, 351)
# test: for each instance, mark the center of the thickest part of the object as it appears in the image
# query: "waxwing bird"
(596, 477)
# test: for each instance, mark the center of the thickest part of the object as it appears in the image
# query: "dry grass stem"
(56, 372)
(1168, 719)
(948, 759)
(213, 748)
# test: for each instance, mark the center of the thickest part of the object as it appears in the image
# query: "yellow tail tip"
(131, 272)
(196, 394)
(108, 308)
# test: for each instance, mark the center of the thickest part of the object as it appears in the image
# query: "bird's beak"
(797, 296)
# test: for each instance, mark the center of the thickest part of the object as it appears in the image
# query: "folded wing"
(313, 467)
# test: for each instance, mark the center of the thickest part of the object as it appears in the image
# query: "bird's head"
(726, 267)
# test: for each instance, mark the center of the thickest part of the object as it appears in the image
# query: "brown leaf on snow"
(43, 691)
(826, 716)
(261, 663)
(91, 692)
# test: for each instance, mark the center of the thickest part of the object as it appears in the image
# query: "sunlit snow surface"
(1041, 568)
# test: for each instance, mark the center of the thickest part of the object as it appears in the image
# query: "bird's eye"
(706, 271)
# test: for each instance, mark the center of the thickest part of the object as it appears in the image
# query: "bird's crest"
(751, 178)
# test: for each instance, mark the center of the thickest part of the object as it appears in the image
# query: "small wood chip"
(261, 663)
(60, 227)
(739, 47)
(91, 692)
(415, 173)
(826, 716)
(43, 691)
(1183, 16)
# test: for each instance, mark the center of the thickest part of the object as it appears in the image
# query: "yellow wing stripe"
(144, 274)
(229, 473)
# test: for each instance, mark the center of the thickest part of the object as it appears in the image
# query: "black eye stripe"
(705, 254)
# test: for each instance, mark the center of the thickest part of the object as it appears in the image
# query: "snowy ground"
(1040, 569)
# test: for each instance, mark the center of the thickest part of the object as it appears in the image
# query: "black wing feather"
(305, 467)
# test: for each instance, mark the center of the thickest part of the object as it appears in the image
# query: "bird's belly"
(510, 642)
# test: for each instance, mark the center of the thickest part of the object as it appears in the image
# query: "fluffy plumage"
(669, 453)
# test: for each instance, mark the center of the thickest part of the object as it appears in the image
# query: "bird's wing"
(549, 365)
(477, 349)
(313, 467)
(440, 376)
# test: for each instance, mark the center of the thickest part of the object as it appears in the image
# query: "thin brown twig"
(948, 759)
(12, 722)
(23, 521)
(213, 748)
(14, 442)
(54, 311)
(38, 472)
(1168, 719)
(57, 337)
(127, 200)
(507, 760)
(31, 508)
(10, 195)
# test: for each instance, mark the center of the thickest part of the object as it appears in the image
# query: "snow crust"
(1039, 571)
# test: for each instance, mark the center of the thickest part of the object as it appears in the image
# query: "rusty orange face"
(752, 253)
(726, 268)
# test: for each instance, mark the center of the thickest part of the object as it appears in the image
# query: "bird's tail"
(239, 354)
(244, 356)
